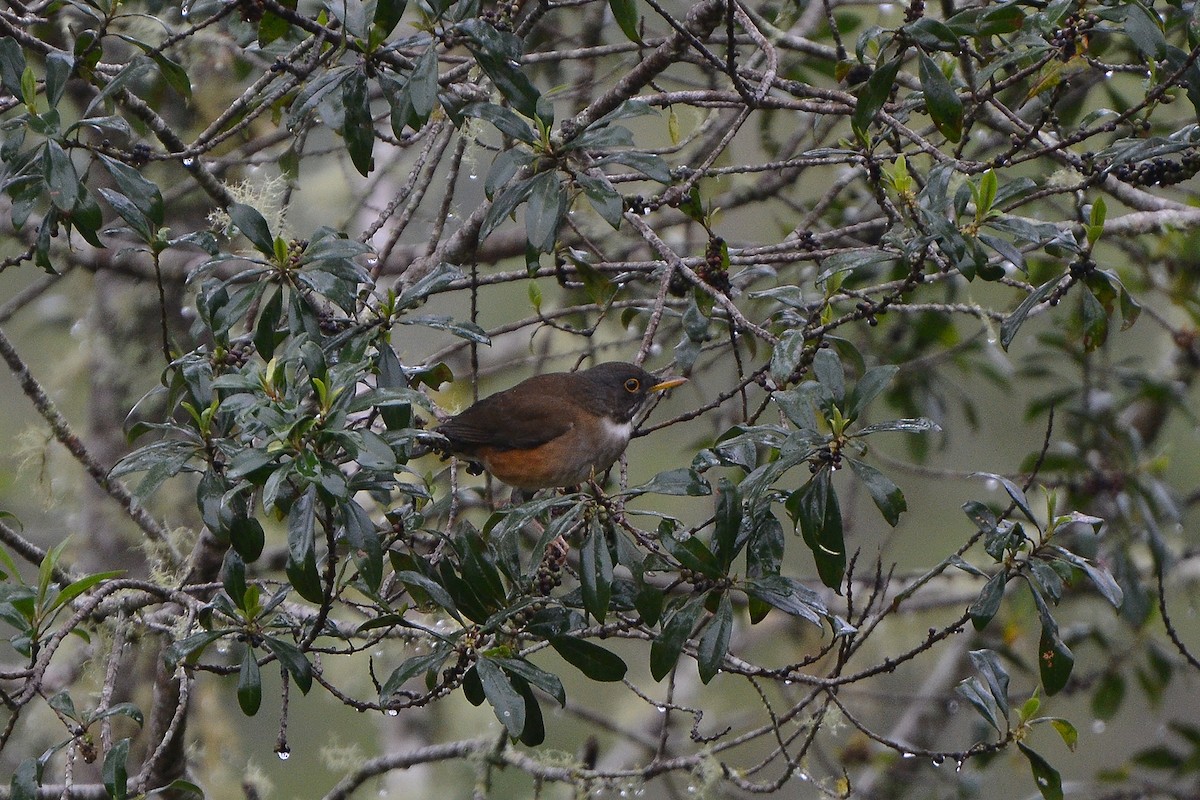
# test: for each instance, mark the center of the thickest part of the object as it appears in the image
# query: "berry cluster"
(1071, 38)
(828, 456)
(714, 271)
(235, 356)
(1159, 171)
(549, 571)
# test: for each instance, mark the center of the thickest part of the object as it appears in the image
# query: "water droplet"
(391, 712)
(1108, 73)
(189, 162)
(472, 177)
(284, 754)
(908, 755)
(938, 760)
(1098, 726)
(958, 765)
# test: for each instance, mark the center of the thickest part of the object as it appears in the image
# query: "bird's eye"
(632, 385)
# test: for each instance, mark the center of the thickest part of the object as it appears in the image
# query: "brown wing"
(507, 422)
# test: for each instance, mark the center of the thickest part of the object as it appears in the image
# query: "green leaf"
(409, 669)
(600, 287)
(596, 573)
(62, 181)
(786, 355)
(358, 129)
(58, 70)
(24, 783)
(1066, 730)
(192, 646)
(249, 687)
(1143, 27)
(119, 710)
(1101, 578)
(985, 607)
(73, 590)
(1158, 757)
(1015, 492)
(504, 205)
(873, 382)
(789, 596)
(932, 34)
(1055, 661)
(1095, 226)
(266, 334)
(129, 212)
(715, 642)
(651, 165)
(546, 681)
(692, 554)
(545, 211)
(764, 557)
(506, 122)
(604, 198)
(254, 227)
(302, 555)
(1108, 695)
(1014, 321)
(174, 74)
(499, 54)
(942, 102)
(505, 700)
(534, 732)
(987, 663)
(114, 773)
(974, 693)
(984, 21)
(591, 659)
(292, 660)
(886, 494)
(12, 65)
(665, 650)
(388, 14)
(874, 94)
(422, 83)
(1095, 321)
(1045, 777)
(181, 790)
(728, 524)
(626, 14)
(431, 587)
(814, 508)
(681, 481)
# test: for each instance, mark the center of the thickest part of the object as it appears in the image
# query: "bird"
(557, 429)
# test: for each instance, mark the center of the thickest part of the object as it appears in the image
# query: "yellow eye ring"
(632, 385)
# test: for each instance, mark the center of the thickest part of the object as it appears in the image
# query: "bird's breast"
(581, 453)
